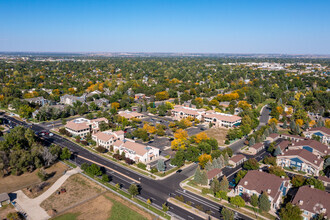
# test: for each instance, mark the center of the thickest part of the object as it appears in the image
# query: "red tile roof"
(304, 154)
(258, 146)
(213, 173)
(313, 144)
(237, 158)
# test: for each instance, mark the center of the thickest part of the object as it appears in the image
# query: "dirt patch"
(5, 210)
(14, 183)
(218, 133)
(36, 190)
(78, 188)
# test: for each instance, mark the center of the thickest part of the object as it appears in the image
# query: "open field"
(218, 133)
(14, 183)
(5, 210)
(78, 189)
(113, 207)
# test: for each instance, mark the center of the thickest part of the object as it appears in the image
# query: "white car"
(51, 134)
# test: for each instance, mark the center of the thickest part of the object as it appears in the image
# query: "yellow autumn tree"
(181, 134)
(200, 137)
(199, 101)
(289, 111)
(162, 95)
(115, 105)
(299, 122)
(244, 105)
(327, 123)
(178, 144)
(2, 97)
(279, 109)
(149, 128)
(273, 120)
(312, 123)
(203, 159)
(71, 90)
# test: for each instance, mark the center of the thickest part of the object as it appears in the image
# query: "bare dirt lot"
(5, 210)
(14, 183)
(78, 189)
(113, 207)
(218, 133)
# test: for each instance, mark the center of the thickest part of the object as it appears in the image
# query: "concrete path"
(32, 206)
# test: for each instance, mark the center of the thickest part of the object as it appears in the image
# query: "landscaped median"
(247, 210)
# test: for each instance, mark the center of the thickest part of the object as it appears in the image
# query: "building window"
(305, 212)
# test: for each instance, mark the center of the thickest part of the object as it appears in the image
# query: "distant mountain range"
(156, 54)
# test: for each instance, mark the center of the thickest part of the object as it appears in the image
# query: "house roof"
(237, 158)
(221, 117)
(104, 136)
(293, 136)
(312, 200)
(283, 144)
(313, 144)
(324, 179)
(322, 129)
(257, 146)
(139, 149)
(76, 126)
(262, 182)
(4, 197)
(129, 115)
(304, 154)
(213, 173)
(274, 135)
(187, 110)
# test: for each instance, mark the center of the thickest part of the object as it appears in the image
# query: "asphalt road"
(263, 119)
(158, 191)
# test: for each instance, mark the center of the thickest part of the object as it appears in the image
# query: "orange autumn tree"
(273, 120)
(179, 142)
(200, 137)
(299, 122)
(149, 128)
(115, 105)
(244, 105)
(203, 159)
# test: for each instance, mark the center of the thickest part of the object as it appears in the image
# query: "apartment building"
(82, 126)
(322, 132)
(107, 138)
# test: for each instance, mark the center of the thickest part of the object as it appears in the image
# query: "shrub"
(205, 191)
(180, 198)
(141, 166)
(129, 161)
(154, 170)
(101, 149)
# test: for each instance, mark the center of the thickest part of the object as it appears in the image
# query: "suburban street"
(158, 191)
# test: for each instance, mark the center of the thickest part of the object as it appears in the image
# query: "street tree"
(290, 212)
(133, 190)
(263, 203)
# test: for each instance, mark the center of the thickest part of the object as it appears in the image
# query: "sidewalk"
(32, 206)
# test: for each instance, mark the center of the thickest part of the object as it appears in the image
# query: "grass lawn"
(122, 212)
(218, 133)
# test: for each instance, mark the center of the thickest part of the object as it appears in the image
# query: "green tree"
(227, 214)
(224, 184)
(251, 164)
(277, 170)
(237, 201)
(133, 190)
(254, 200)
(240, 175)
(215, 185)
(290, 212)
(298, 180)
(264, 203)
(221, 195)
(198, 175)
(165, 207)
(65, 154)
(95, 170)
(204, 179)
(161, 165)
(105, 178)
(252, 142)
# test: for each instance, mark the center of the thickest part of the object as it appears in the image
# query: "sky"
(183, 26)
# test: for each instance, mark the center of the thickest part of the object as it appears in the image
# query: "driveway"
(32, 206)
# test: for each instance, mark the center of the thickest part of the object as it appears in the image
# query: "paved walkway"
(32, 206)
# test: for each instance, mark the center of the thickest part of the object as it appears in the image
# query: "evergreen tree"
(292, 125)
(297, 129)
(215, 163)
(198, 176)
(208, 166)
(224, 184)
(277, 151)
(221, 161)
(227, 214)
(226, 158)
(266, 133)
(252, 142)
(264, 204)
(263, 137)
(280, 101)
(270, 130)
(215, 185)
(285, 124)
(204, 179)
(161, 165)
(258, 139)
(275, 130)
(254, 200)
(290, 212)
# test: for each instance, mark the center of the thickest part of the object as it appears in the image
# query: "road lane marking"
(110, 169)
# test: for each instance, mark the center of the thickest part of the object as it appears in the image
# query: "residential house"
(301, 160)
(257, 148)
(129, 115)
(325, 180)
(135, 151)
(322, 132)
(107, 138)
(38, 100)
(313, 146)
(139, 96)
(281, 147)
(293, 138)
(237, 160)
(257, 182)
(214, 173)
(312, 202)
(70, 99)
(4, 199)
(82, 126)
(273, 137)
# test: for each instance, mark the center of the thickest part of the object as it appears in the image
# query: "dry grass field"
(218, 133)
(5, 210)
(14, 183)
